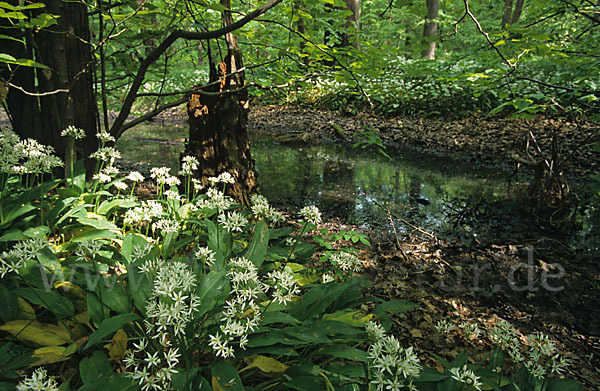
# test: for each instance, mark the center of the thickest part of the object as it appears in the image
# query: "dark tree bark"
(510, 15)
(431, 28)
(218, 124)
(64, 50)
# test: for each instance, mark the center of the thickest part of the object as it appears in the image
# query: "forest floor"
(537, 283)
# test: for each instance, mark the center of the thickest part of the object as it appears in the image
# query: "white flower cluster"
(262, 210)
(470, 329)
(233, 221)
(206, 255)
(466, 376)
(224, 178)
(135, 176)
(444, 327)
(215, 200)
(39, 381)
(145, 212)
(394, 366)
(241, 314)
(27, 156)
(108, 155)
(311, 214)
(15, 259)
(155, 370)
(505, 336)
(73, 132)
(346, 261)
(543, 356)
(105, 137)
(285, 288)
(172, 195)
(166, 226)
(169, 310)
(163, 176)
(189, 164)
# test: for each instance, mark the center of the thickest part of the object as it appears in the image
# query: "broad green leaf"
(109, 326)
(343, 351)
(225, 377)
(257, 249)
(50, 300)
(355, 318)
(565, 385)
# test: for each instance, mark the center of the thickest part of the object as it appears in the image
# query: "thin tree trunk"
(431, 28)
(517, 12)
(506, 16)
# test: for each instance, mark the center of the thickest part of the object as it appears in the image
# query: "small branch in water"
(414, 227)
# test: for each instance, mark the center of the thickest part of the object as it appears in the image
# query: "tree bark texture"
(510, 15)
(431, 28)
(219, 124)
(64, 50)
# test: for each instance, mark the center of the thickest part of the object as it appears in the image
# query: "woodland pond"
(450, 197)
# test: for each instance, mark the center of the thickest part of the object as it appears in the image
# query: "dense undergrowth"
(188, 291)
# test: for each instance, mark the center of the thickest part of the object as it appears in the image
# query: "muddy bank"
(480, 140)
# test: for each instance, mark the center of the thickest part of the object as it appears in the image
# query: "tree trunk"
(65, 50)
(431, 27)
(506, 16)
(218, 124)
(517, 12)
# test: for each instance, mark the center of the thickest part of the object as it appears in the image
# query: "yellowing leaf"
(25, 309)
(355, 318)
(215, 384)
(118, 346)
(267, 365)
(41, 334)
(49, 355)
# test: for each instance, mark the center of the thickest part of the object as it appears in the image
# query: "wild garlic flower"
(220, 344)
(106, 154)
(101, 177)
(311, 214)
(15, 259)
(325, 278)
(145, 212)
(542, 356)
(152, 371)
(244, 278)
(161, 174)
(189, 164)
(135, 176)
(224, 177)
(285, 288)
(39, 380)
(172, 181)
(8, 157)
(206, 255)
(444, 327)
(262, 210)
(466, 376)
(172, 195)
(104, 136)
(470, 329)
(166, 226)
(346, 261)
(233, 221)
(140, 251)
(393, 366)
(38, 158)
(73, 132)
(197, 184)
(173, 301)
(120, 185)
(215, 200)
(505, 336)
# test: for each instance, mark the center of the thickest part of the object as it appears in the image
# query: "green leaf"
(565, 385)
(257, 249)
(211, 290)
(108, 327)
(343, 351)
(225, 377)
(98, 312)
(106, 206)
(51, 300)
(8, 37)
(278, 317)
